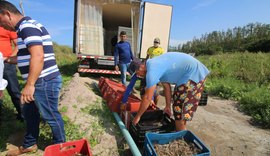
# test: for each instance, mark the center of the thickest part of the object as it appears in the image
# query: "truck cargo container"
(97, 24)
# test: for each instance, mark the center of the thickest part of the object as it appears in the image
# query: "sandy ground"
(228, 132)
(225, 130)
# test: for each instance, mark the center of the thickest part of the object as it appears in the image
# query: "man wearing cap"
(152, 52)
(155, 50)
(186, 72)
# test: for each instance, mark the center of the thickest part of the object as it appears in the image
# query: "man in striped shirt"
(36, 61)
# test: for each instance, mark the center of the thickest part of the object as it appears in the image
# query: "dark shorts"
(186, 98)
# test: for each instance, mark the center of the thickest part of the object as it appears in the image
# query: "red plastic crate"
(69, 148)
(115, 83)
(133, 103)
(107, 94)
(114, 101)
(101, 81)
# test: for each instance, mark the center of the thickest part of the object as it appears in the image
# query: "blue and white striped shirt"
(30, 33)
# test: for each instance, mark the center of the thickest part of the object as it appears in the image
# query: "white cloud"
(205, 3)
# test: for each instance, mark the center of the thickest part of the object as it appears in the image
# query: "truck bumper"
(101, 71)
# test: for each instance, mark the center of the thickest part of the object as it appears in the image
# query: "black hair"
(5, 5)
(123, 33)
(135, 64)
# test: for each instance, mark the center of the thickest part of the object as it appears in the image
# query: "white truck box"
(96, 22)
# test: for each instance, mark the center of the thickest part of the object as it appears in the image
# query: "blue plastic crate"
(165, 138)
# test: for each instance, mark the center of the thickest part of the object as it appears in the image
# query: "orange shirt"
(5, 41)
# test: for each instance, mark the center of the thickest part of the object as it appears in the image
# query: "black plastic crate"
(204, 98)
(151, 121)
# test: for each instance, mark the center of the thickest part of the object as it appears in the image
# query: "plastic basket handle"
(149, 148)
(67, 147)
(198, 144)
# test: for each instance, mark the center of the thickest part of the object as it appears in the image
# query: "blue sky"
(191, 18)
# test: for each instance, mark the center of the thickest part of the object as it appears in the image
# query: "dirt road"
(225, 130)
(228, 132)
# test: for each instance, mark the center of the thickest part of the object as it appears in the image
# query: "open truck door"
(156, 22)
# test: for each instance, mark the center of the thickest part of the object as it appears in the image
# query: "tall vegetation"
(244, 77)
(253, 37)
(66, 61)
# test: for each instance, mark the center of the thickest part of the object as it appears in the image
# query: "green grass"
(64, 109)
(244, 77)
(99, 110)
(9, 124)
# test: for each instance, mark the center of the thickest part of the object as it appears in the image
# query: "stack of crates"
(112, 92)
(165, 124)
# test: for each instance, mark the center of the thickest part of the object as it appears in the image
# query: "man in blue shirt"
(43, 81)
(187, 73)
(122, 56)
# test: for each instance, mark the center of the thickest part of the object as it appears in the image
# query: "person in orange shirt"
(9, 49)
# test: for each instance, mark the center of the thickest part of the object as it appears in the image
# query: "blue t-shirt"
(123, 52)
(175, 68)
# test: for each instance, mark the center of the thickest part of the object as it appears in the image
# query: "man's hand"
(116, 68)
(136, 120)
(168, 110)
(27, 94)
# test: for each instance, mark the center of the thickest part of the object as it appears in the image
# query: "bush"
(244, 77)
(257, 104)
(227, 88)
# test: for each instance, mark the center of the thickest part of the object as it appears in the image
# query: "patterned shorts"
(186, 98)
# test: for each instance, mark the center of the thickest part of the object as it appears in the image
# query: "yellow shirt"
(153, 52)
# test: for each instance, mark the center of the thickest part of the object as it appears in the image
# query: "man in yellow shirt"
(152, 52)
(155, 50)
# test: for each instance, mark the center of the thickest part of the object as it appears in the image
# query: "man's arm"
(15, 47)
(13, 57)
(162, 51)
(168, 95)
(35, 68)
(146, 100)
(147, 54)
